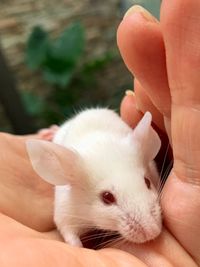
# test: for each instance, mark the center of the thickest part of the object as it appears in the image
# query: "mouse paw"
(48, 133)
(73, 240)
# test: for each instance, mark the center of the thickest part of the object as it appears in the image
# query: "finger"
(133, 106)
(144, 104)
(180, 21)
(163, 251)
(141, 45)
(183, 48)
(29, 136)
(11, 227)
(131, 115)
(164, 156)
(45, 253)
(128, 110)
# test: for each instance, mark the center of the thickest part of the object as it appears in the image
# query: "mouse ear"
(147, 138)
(57, 165)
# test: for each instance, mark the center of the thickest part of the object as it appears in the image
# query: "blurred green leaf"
(63, 54)
(57, 59)
(98, 63)
(33, 104)
(36, 48)
(69, 46)
(62, 79)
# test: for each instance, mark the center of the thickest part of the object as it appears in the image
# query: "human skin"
(27, 235)
(169, 76)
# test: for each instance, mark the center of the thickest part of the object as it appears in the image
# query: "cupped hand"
(165, 60)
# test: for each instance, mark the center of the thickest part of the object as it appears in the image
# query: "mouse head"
(124, 176)
(116, 181)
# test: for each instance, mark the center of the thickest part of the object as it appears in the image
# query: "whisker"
(110, 243)
(78, 217)
(163, 165)
(103, 244)
(97, 235)
(163, 179)
(119, 242)
(87, 226)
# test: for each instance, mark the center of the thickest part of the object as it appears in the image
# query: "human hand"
(29, 238)
(165, 59)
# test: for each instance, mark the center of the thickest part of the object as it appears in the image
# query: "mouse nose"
(132, 229)
(140, 230)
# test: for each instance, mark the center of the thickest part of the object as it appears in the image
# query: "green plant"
(73, 82)
(56, 58)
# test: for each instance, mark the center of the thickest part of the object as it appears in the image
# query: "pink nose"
(134, 231)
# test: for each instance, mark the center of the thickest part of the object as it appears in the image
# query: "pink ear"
(147, 138)
(55, 164)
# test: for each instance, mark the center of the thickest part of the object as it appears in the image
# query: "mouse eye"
(108, 198)
(147, 182)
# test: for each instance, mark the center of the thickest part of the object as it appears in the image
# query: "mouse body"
(104, 175)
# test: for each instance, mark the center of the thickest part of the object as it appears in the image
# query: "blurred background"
(59, 56)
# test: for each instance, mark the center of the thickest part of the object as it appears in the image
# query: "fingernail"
(129, 93)
(139, 9)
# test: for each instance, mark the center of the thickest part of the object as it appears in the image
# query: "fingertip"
(128, 110)
(137, 9)
(134, 22)
(142, 48)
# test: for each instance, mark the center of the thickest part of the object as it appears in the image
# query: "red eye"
(108, 198)
(147, 182)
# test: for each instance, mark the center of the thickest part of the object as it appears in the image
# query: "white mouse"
(104, 176)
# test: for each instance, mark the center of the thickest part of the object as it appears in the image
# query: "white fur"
(112, 157)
